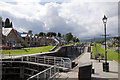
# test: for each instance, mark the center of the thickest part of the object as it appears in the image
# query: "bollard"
(99, 59)
(85, 71)
(93, 70)
(105, 67)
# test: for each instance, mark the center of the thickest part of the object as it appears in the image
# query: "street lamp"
(105, 64)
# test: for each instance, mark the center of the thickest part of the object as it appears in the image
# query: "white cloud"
(83, 19)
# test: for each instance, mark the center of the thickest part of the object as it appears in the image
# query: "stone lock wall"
(68, 51)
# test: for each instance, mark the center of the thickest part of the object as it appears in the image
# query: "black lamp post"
(105, 64)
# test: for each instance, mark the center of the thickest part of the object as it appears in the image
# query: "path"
(85, 57)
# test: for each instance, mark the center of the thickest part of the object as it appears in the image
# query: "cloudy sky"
(82, 18)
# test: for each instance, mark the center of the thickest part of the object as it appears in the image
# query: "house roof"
(36, 36)
(32, 36)
(23, 35)
(6, 31)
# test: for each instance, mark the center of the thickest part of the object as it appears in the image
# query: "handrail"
(50, 75)
(58, 61)
(39, 73)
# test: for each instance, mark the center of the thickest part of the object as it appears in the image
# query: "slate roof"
(23, 35)
(6, 31)
(36, 36)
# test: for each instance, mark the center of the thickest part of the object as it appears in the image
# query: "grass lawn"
(27, 51)
(72, 44)
(111, 54)
(68, 44)
(78, 43)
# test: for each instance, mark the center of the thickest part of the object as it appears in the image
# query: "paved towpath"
(85, 57)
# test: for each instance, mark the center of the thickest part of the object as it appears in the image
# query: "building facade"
(10, 38)
(33, 41)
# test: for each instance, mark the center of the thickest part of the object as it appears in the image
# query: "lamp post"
(105, 64)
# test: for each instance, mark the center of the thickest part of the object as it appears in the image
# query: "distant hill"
(96, 39)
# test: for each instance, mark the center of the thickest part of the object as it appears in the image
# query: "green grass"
(78, 43)
(68, 44)
(27, 51)
(111, 54)
(72, 44)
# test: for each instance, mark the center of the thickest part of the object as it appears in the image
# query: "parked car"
(5, 47)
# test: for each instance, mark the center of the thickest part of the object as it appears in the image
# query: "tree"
(50, 34)
(7, 23)
(2, 24)
(30, 32)
(36, 35)
(59, 34)
(74, 39)
(41, 34)
(77, 40)
(63, 36)
(113, 43)
(68, 37)
(11, 25)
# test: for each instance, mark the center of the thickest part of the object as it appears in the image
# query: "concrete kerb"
(79, 57)
(76, 60)
(53, 49)
(115, 61)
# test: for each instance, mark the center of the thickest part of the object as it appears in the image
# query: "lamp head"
(104, 19)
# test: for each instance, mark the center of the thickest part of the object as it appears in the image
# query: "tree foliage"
(41, 34)
(59, 34)
(63, 36)
(7, 23)
(68, 37)
(75, 39)
(30, 32)
(50, 34)
(36, 35)
(3, 24)
(11, 25)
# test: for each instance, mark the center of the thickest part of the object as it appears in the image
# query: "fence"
(51, 60)
(46, 74)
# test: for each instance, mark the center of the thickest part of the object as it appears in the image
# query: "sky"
(83, 18)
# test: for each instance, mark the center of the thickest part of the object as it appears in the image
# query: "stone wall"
(71, 52)
(20, 70)
(68, 51)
